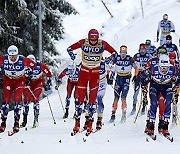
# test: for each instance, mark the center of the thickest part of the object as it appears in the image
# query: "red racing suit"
(36, 84)
(89, 72)
(14, 76)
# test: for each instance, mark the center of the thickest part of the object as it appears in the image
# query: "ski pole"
(141, 102)
(47, 99)
(51, 109)
(31, 92)
(61, 100)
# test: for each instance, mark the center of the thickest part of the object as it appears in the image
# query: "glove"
(136, 80)
(110, 82)
(172, 30)
(174, 79)
(48, 81)
(58, 83)
(71, 54)
(108, 60)
(157, 39)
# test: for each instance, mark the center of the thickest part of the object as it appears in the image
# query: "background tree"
(19, 25)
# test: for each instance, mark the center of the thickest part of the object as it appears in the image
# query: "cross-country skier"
(33, 89)
(14, 66)
(140, 59)
(171, 47)
(92, 52)
(161, 76)
(150, 49)
(72, 71)
(176, 88)
(166, 27)
(122, 67)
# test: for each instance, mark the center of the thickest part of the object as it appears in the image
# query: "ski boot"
(89, 128)
(23, 124)
(99, 123)
(160, 125)
(123, 118)
(35, 123)
(133, 110)
(3, 125)
(165, 131)
(66, 114)
(149, 130)
(77, 126)
(16, 126)
(174, 119)
(143, 110)
(112, 118)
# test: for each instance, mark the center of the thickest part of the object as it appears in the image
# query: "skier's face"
(93, 41)
(123, 54)
(168, 41)
(164, 69)
(142, 51)
(13, 58)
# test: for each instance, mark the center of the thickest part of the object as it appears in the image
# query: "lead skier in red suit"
(92, 52)
(14, 66)
(33, 89)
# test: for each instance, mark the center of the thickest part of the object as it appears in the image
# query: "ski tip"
(10, 133)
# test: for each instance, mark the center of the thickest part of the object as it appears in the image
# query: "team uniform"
(89, 73)
(166, 27)
(160, 82)
(101, 92)
(13, 83)
(140, 60)
(122, 67)
(34, 88)
(170, 47)
(150, 49)
(72, 72)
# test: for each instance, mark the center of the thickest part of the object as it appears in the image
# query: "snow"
(126, 27)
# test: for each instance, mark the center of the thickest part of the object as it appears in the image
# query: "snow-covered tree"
(19, 25)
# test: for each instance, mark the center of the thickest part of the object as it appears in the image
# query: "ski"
(74, 133)
(168, 137)
(153, 137)
(11, 133)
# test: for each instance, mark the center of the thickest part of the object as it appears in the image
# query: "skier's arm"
(29, 63)
(1, 60)
(62, 74)
(74, 47)
(172, 27)
(158, 30)
(45, 70)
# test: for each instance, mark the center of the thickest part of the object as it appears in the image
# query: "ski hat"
(12, 50)
(164, 61)
(93, 34)
(148, 42)
(165, 17)
(123, 48)
(168, 37)
(142, 46)
(31, 57)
